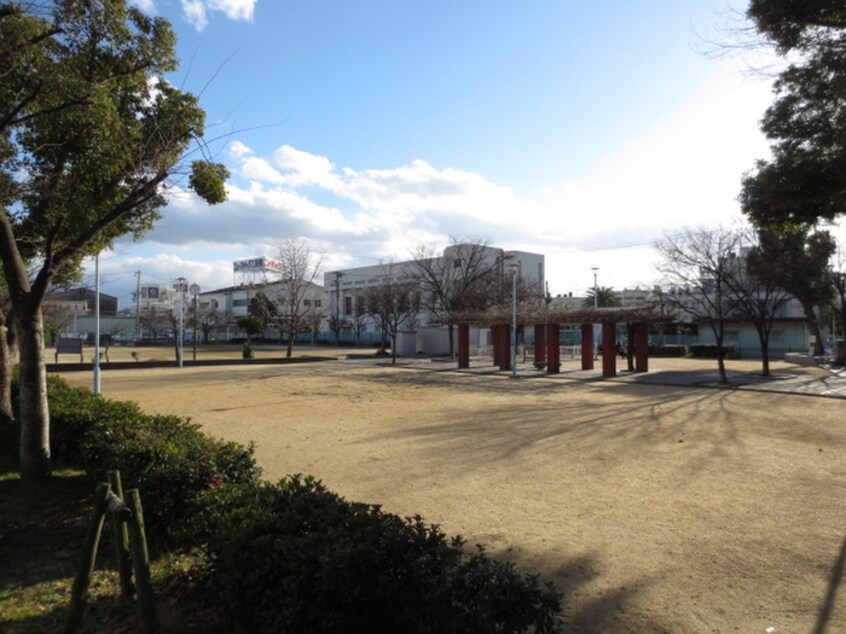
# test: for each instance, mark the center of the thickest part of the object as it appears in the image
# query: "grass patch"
(42, 528)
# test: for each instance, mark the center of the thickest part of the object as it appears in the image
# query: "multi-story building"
(347, 290)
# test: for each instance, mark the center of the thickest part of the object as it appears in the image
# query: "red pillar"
(609, 354)
(641, 347)
(553, 353)
(540, 346)
(496, 343)
(463, 346)
(505, 347)
(587, 346)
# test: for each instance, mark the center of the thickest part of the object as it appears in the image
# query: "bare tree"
(393, 305)
(359, 316)
(698, 263)
(468, 276)
(56, 315)
(295, 308)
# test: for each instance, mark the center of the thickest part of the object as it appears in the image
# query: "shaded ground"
(653, 507)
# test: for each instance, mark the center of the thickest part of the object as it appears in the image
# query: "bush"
(295, 557)
(166, 457)
(667, 351)
(709, 351)
(76, 412)
(170, 461)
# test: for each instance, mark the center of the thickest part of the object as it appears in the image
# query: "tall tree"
(697, 264)
(300, 269)
(90, 134)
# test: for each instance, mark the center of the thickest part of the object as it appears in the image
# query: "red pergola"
(547, 326)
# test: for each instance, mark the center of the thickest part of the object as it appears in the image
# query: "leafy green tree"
(805, 180)
(90, 135)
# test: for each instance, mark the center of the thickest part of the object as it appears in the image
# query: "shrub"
(166, 457)
(76, 412)
(667, 351)
(709, 351)
(170, 461)
(295, 557)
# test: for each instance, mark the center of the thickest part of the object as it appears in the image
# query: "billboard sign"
(263, 264)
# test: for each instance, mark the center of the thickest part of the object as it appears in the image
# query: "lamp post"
(195, 291)
(596, 330)
(514, 320)
(97, 324)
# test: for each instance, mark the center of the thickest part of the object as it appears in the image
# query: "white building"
(231, 303)
(346, 290)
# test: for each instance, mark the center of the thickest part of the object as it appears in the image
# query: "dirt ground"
(652, 508)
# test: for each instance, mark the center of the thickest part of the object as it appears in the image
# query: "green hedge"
(667, 351)
(709, 351)
(168, 458)
(295, 557)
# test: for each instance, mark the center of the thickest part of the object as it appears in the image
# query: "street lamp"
(514, 268)
(595, 287)
(97, 323)
(596, 331)
(195, 291)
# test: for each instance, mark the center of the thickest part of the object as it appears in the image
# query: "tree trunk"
(34, 410)
(764, 340)
(814, 327)
(394, 348)
(721, 363)
(6, 409)
(290, 349)
(451, 330)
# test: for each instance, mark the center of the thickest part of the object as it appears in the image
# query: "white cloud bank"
(685, 172)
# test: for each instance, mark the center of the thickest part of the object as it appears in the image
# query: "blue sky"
(581, 130)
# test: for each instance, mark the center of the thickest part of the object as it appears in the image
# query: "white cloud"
(234, 9)
(303, 168)
(683, 172)
(196, 12)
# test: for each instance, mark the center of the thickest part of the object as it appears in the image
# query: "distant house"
(81, 301)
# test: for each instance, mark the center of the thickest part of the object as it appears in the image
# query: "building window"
(306, 303)
(318, 303)
(348, 305)
(239, 302)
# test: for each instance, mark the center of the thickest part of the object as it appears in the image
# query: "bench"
(69, 345)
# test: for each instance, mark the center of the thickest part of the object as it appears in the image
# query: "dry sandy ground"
(654, 509)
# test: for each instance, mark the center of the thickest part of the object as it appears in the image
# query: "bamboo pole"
(141, 563)
(120, 534)
(89, 556)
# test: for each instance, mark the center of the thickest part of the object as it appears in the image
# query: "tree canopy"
(805, 180)
(91, 134)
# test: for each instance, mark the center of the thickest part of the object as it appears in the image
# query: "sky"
(581, 130)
